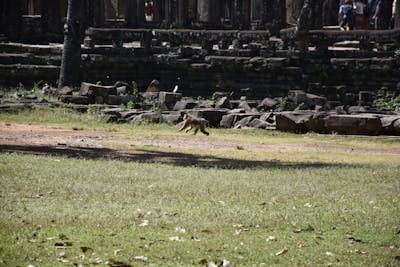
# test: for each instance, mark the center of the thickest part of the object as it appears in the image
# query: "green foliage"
(299, 106)
(387, 101)
(130, 105)
(36, 86)
(284, 102)
(288, 105)
(135, 90)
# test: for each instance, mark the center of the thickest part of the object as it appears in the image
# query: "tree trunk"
(310, 16)
(397, 15)
(293, 9)
(71, 58)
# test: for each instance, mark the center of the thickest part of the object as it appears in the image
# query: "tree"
(71, 57)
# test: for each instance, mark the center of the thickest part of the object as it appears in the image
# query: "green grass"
(326, 207)
(67, 118)
(349, 211)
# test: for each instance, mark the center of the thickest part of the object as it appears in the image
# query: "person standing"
(375, 8)
(346, 16)
(393, 14)
(148, 10)
(361, 20)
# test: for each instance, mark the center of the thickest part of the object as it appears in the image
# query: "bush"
(387, 101)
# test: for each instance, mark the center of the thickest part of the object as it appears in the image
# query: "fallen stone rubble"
(309, 112)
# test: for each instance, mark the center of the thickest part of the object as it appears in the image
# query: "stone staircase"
(29, 63)
(268, 68)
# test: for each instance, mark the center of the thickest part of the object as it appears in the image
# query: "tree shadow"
(153, 156)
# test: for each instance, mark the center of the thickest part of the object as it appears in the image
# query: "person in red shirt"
(148, 10)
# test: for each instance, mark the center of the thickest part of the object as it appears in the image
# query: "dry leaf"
(144, 223)
(97, 261)
(351, 238)
(62, 236)
(114, 263)
(282, 252)
(308, 205)
(328, 253)
(271, 238)
(85, 249)
(212, 264)
(63, 244)
(176, 238)
(226, 263)
(180, 230)
(195, 239)
(203, 262)
(360, 251)
(140, 258)
(117, 251)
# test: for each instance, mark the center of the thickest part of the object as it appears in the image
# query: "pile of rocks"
(299, 111)
(268, 113)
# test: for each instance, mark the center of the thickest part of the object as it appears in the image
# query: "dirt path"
(47, 139)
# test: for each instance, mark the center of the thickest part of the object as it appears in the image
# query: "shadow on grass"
(154, 156)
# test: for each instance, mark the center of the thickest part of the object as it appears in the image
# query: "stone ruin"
(246, 49)
(297, 112)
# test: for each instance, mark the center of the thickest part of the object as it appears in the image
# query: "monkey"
(190, 122)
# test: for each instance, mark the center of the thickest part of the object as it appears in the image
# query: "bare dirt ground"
(35, 139)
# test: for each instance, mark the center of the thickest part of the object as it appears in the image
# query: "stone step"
(29, 59)
(51, 49)
(28, 74)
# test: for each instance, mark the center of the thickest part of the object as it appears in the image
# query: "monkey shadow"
(153, 156)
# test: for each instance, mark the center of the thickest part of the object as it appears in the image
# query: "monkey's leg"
(204, 131)
(188, 129)
(183, 127)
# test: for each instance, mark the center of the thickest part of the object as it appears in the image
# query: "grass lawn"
(251, 208)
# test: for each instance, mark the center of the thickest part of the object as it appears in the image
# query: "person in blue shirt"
(346, 16)
(374, 7)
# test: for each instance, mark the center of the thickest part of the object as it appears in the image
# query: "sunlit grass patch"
(81, 211)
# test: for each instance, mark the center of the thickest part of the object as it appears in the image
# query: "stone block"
(149, 117)
(259, 124)
(268, 103)
(390, 124)
(353, 124)
(94, 90)
(292, 121)
(243, 122)
(214, 116)
(184, 104)
(80, 100)
(113, 111)
(171, 118)
(223, 103)
(227, 121)
(169, 97)
(153, 87)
